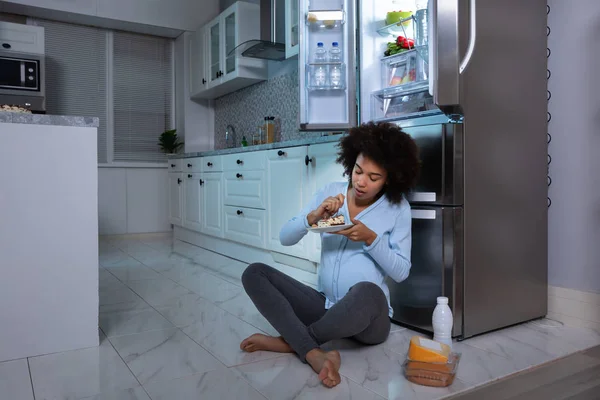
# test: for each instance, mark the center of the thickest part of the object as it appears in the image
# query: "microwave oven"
(22, 80)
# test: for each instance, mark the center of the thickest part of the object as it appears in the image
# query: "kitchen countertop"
(46, 119)
(269, 146)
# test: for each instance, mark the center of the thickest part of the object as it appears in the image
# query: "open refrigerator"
(455, 82)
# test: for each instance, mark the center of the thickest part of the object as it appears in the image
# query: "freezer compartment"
(437, 269)
(441, 153)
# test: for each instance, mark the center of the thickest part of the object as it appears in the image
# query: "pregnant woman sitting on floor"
(352, 299)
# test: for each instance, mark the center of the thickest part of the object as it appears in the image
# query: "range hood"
(271, 44)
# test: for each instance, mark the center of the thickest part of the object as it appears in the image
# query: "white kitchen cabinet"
(175, 198)
(225, 70)
(287, 182)
(22, 38)
(245, 189)
(198, 54)
(323, 170)
(292, 21)
(212, 203)
(192, 203)
(246, 225)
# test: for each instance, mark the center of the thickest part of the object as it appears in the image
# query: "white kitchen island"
(48, 234)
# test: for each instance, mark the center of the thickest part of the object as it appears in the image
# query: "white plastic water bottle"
(335, 71)
(442, 322)
(320, 72)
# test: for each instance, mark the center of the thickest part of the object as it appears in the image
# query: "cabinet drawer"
(192, 164)
(175, 165)
(246, 225)
(244, 161)
(245, 189)
(212, 164)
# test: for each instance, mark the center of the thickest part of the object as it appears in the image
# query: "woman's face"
(368, 179)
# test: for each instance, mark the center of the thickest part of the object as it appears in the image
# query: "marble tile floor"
(172, 316)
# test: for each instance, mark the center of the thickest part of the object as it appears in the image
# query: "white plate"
(329, 229)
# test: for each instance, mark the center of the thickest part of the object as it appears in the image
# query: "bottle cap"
(320, 44)
(334, 44)
(442, 300)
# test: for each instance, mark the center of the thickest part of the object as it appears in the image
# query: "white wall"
(574, 217)
(132, 200)
(195, 120)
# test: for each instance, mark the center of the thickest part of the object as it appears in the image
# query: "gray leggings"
(298, 311)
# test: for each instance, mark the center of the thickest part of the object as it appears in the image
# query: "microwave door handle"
(22, 65)
(472, 36)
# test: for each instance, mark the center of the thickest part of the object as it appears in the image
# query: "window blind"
(142, 92)
(76, 74)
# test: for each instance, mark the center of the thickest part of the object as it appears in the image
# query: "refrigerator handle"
(472, 36)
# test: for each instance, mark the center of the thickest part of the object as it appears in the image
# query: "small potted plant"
(168, 142)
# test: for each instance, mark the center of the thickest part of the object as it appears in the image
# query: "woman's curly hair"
(388, 146)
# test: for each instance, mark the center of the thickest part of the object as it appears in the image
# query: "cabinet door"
(245, 225)
(214, 52)
(212, 203)
(198, 81)
(323, 170)
(192, 216)
(175, 190)
(230, 34)
(292, 21)
(287, 183)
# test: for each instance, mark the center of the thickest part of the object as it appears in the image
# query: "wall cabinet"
(292, 28)
(218, 69)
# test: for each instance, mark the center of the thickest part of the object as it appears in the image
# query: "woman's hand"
(328, 207)
(358, 233)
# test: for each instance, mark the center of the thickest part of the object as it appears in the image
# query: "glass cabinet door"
(230, 43)
(292, 22)
(214, 53)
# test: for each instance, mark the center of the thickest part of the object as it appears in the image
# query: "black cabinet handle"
(6, 45)
(203, 81)
(239, 162)
(238, 175)
(189, 165)
(172, 165)
(178, 181)
(201, 182)
(307, 160)
(189, 175)
(239, 212)
(209, 164)
(281, 153)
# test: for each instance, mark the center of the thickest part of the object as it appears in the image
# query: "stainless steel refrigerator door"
(445, 60)
(437, 269)
(441, 153)
(327, 109)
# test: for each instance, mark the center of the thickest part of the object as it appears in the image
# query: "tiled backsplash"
(245, 110)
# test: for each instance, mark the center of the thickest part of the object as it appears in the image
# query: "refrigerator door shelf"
(327, 105)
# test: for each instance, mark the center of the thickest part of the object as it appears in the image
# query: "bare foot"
(327, 365)
(258, 341)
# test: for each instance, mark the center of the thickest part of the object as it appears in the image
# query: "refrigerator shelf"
(404, 27)
(311, 69)
(325, 19)
(402, 90)
(401, 101)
